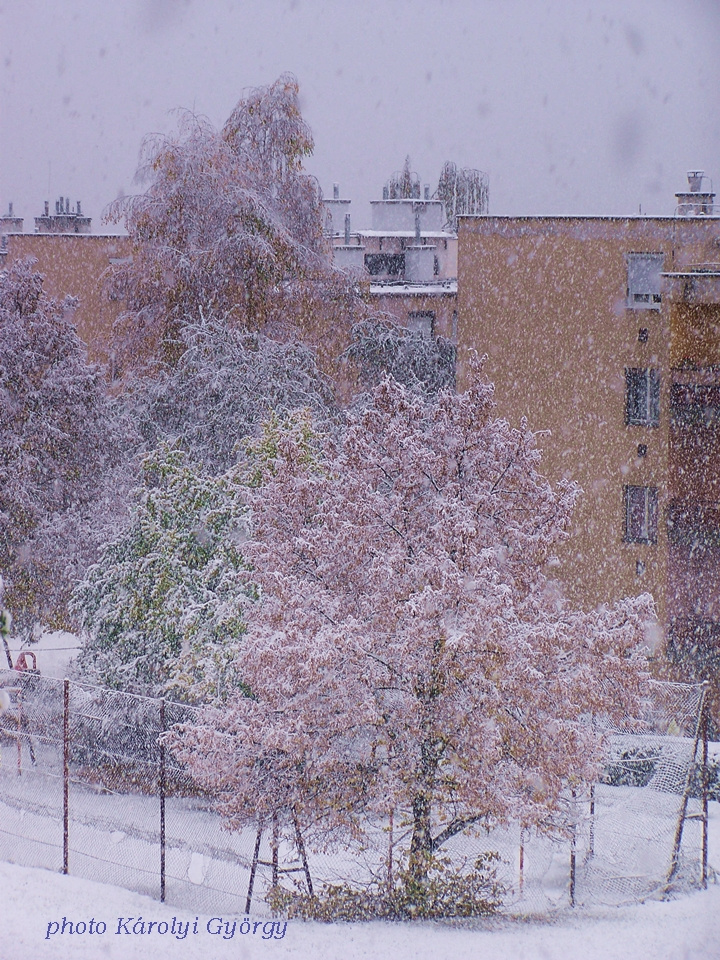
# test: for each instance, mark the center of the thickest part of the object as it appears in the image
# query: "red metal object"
(22, 661)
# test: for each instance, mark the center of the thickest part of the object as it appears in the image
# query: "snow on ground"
(687, 928)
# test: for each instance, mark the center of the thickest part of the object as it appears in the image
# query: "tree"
(57, 435)
(163, 608)
(404, 184)
(409, 652)
(230, 223)
(223, 386)
(381, 348)
(462, 192)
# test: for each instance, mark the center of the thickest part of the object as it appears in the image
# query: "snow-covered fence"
(87, 787)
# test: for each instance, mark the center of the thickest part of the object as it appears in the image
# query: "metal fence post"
(66, 771)
(162, 802)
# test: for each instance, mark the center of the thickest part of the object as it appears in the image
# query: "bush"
(444, 893)
(633, 767)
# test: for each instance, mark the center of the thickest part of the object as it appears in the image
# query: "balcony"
(698, 284)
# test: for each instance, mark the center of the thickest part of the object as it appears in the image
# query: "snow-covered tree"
(409, 652)
(462, 191)
(230, 223)
(380, 347)
(57, 435)
(224, 385)
(162, 610)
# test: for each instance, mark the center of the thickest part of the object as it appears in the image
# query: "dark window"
(642, 449)
(641, 514)
(422, 321)
(642, 397)
(643, 334)
(385, 264)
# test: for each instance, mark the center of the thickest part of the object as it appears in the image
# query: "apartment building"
(73, 262)
(605, 333)
(407, 255)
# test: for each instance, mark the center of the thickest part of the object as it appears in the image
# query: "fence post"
(573, 849)
(253, 868)
(705, 791)
(66, 771)
(162, 801)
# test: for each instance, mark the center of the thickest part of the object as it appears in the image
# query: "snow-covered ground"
(687, 928)
(33, 903)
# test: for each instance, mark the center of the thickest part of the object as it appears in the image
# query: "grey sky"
(570, 106)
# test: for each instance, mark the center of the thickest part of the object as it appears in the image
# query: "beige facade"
(75, 265)
(605, 332)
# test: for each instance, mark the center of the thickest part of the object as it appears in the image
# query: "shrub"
(443, 893)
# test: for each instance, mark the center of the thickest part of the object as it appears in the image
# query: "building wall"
(75, 265)
(546, 299)
(407, 305)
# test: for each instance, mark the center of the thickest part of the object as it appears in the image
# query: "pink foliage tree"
(409, 653)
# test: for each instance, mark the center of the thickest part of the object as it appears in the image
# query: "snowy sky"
(571, 106)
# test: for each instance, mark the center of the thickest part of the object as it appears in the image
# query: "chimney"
(427, 191)
(417, 228)
(336, 191)
(347, 229)
(67, 204)
(47, 208)
(386, 193)
(10, 210)
(695, 179)
(79, 212)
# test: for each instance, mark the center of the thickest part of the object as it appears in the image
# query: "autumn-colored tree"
(409, 652)
(230, 223)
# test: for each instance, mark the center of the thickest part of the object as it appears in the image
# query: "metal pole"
(705, 778)
(275, 843)
(573, 846)
(303, 856)
(66, 772)
(253, 868)
(675, 858)
(162, 802)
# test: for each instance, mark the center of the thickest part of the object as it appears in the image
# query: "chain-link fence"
(87, 787)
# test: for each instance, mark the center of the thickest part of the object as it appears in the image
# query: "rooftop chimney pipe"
(336, 191)
(695, 179)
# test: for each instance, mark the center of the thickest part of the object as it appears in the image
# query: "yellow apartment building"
(605, 333)
(74, 262)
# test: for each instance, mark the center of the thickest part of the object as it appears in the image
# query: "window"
(422, 321)
(642, 397)
(641, 514)
(643, 335)
(385, 264)
(643, 281)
